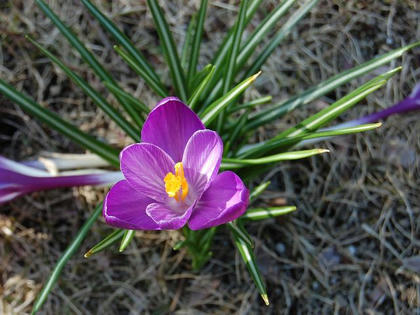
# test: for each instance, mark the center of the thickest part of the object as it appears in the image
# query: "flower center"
(176, 185)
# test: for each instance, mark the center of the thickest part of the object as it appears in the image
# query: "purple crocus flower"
(17, 179)
(171, 177)
(410, 103)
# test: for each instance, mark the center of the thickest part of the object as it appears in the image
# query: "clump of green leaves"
(215, 93)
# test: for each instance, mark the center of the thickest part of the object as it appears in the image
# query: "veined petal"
(144, 166)
(125, 208)
(170, 125)
(225, 200)
(14, 183)
(202, 158)
(167, 218)
(6, 164)
(10, 191)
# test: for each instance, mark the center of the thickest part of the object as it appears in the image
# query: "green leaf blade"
(258, 191)
(323, 88)
(123, 41)
(198, 34)
(69, 252)
(126, 240)
(260, 33)
(251, 104)
(234, 48)
(140, 106)
(228, 163)
(337, 108)
(169, 49)
(54, 121)
(161, 91)
(282, 143)
(195, 97)
(239, 231)
(105, 243)
(214, 109)
(223, 49)
(257, 214)
(249, 259)
(186, 48)
(281, 34)
(87, 56)
(94, 95)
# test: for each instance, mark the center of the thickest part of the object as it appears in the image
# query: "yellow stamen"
(176, 186)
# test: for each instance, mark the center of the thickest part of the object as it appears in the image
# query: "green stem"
(74, 246)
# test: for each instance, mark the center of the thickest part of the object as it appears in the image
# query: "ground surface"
(351, 247)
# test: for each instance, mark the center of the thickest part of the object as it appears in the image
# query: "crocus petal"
(144, 166)
(17, 179)
(9, 192)
(410, 103)
(6, 164)
(225, 200)
(170, 125)
(201, 160)
(125, 208)
(167, 218)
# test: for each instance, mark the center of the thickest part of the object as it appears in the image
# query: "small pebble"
(280, 248)
(352, 250)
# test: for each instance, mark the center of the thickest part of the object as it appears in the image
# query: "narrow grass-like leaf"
(90, 91)
(186, 47)
(233, 136)
(206, 239)
(228, 163)
(213, 110)
(198, 34)
(229, 69)
(140, 106)
(337, 108)
(251, 104)
(169, 49)
(140, 71)
(195, 97)
(258, 191)
(75, 244)
(266, 213)
(278, 110)
(281, 34)
(123, 41)
(179, 245)
(261, 32)
(224, 47)
(277, 144)
(127, 238)
(105, 243)
(199, 77)
(87, 56)
(222, 51)
(328, 134)
(234, 48)
(253, 40)
(239, 231)
(249, 259)
(105, 151)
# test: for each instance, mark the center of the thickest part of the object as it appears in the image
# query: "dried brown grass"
(350, 248)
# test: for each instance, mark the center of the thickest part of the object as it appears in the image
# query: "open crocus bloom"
(171, 178)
